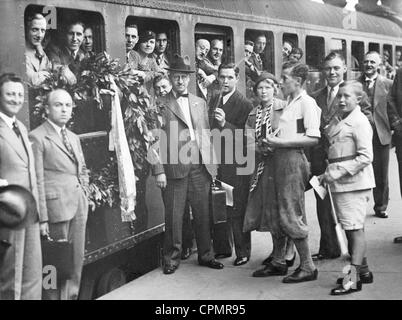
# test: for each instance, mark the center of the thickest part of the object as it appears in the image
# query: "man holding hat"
(185, 178)
(21, 268)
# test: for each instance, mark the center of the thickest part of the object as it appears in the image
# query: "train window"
(259, 55)
(357, 55)
(387, 54)
(289, 41)
(338, 45)
(374, 47)
(87, 117)
(398, 56)
(315, 52)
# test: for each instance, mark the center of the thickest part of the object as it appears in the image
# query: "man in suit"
(183, 178)
(258, 58)
(377, 87)
(37, 63)
(229, 113)
(88, 42)
(395, 117)
(131, 34)
(21, 268)
(161, 43)
(334, 69)
(62, 178)
(69, 56)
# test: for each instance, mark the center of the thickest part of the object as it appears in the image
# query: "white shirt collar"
(370, 79)
(8, 120)
(289, 101)
(226, 97)
(56, 127)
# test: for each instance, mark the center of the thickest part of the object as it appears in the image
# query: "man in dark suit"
(377, 87)
(334, 69)
(185, 177)
(395, 117)
(62, 176)
(228, 113)
(21, 269)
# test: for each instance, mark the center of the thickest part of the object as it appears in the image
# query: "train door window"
(387, 54)
(398, 56)
(158, 26)
(338, 45)
(315, 53)
(357, 55)
(87, 117)
(374, 47)
(259, 55)
(289, 41)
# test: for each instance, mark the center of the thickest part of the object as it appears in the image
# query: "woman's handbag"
(59, 254)
(218, 203)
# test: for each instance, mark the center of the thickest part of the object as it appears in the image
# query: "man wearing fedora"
(62, 178)
(21, 268)
(185, 128)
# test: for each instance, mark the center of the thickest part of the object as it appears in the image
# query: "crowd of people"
(342, 134)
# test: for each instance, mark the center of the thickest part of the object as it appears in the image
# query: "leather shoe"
(213, 264)
(222, 255)
(338, 291)
(169, 269)
(240, 261)
(301, 276)
(186, 253)
(270, 270)
(398, 240)
(364, 278)
(267, 260)
(319, 256)
(290, 263)
(381, 214)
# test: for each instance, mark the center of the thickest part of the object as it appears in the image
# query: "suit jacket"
(380, 108)
(16, 164)
(36, 70)
(61, 178)
(173, 124)
(61, 56)
(351, 137)
(395, 99)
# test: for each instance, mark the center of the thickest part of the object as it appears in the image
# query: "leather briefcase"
(60, 255)
(218, 203)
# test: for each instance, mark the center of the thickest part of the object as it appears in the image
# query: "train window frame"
(293, 38)
(374, 46)
(359, 55)
(211, 32)
(316, 66)
(269, 51)
(66, 15)
(388, 47)
(343, 49)
(144, 23)
(397, 48)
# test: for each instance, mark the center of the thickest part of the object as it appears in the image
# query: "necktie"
(331, 96)
(159, 60)
(16, 129)
(258, 125)
(369, 83)
(67, 143)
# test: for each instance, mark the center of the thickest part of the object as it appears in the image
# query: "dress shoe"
(267, 260)
(301, 276)
(290, 263)
(240, 261)
(319, 256)
(270, 270)
(381, 214)
(222, 255)
(169, 269)
(398, 240)
(186, 253)
(339, 291)
(213, 264)
(364, 278)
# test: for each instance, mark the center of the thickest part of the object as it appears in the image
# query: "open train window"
(315, 52)
(387, 54)
(338, 45)
(289, 41)
(398, 56)
(357, 55)
(87, 116)
(169, 27)
(374, 47)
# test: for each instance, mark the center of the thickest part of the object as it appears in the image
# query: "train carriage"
(115, 250)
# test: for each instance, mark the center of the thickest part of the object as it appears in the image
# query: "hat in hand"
(180, 64)
(17, 207)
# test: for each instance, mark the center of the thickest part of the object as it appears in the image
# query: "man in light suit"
(334, 69)
(377, 87)
(21, 268)
(62, 178)
(185, 127)
(37, 63)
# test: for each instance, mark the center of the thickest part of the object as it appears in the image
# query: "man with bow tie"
(186, 168)
(62, 180)
(377, 87)
(37, 62)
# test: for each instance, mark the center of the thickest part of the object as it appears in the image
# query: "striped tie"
(67, 143)
(258, 126)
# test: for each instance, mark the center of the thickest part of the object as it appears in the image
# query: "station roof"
(301, 11)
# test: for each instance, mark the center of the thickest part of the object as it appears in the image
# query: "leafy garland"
(93, 83)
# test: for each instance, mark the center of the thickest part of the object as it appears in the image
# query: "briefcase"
(60, 255)
(218, 203)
